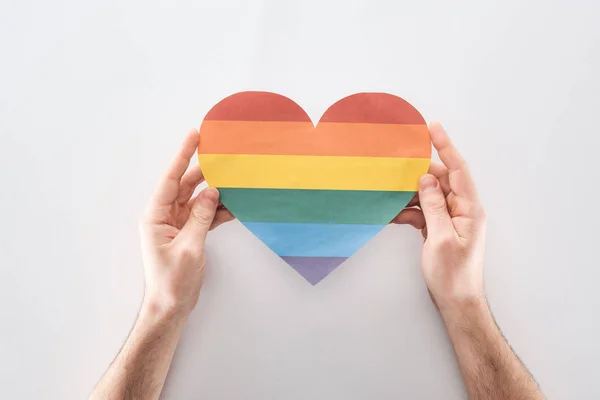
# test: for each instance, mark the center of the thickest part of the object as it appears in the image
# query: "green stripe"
(314, 206)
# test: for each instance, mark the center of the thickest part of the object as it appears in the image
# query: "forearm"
(490, 369)
(140, 369)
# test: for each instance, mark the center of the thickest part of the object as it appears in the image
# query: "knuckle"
(444, 242)
(202, 217)
(476, 211)
(437, 206)
(185, 255)
(418, 222)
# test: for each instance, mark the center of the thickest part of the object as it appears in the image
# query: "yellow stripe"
(313, 172)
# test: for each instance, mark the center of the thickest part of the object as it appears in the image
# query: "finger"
(184, 213)
(201, 218)
(424, 232)
(435, 209)
(446, 150)
(459, 175)
(414, 201)
(440, 172)
(168, 189)
(460, 207)
(222, 216)
(433, 299)
(191, 179)
(410, 216)
(190, 202)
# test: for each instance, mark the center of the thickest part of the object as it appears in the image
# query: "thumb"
(201, 216)
(433, 204)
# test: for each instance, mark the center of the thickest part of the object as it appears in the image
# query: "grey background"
(96, 97)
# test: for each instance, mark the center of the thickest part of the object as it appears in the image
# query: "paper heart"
(314, 195)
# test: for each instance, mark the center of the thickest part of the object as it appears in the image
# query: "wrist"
(466, 307)
(163, 311)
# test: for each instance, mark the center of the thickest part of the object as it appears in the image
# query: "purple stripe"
(314, 269)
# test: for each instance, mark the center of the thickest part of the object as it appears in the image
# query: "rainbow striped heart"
(314, 195)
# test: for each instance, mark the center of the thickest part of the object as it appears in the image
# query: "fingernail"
(428, 182)
(211, 194)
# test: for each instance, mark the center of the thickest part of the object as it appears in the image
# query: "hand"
(173, 231)
(453, 223)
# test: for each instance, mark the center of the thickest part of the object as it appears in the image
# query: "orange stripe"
(257, 106)
(301, 138)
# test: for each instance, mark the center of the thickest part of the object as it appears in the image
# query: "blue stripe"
(313, 240)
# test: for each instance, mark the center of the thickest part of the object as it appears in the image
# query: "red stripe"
(257, 106)
(376, 108)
